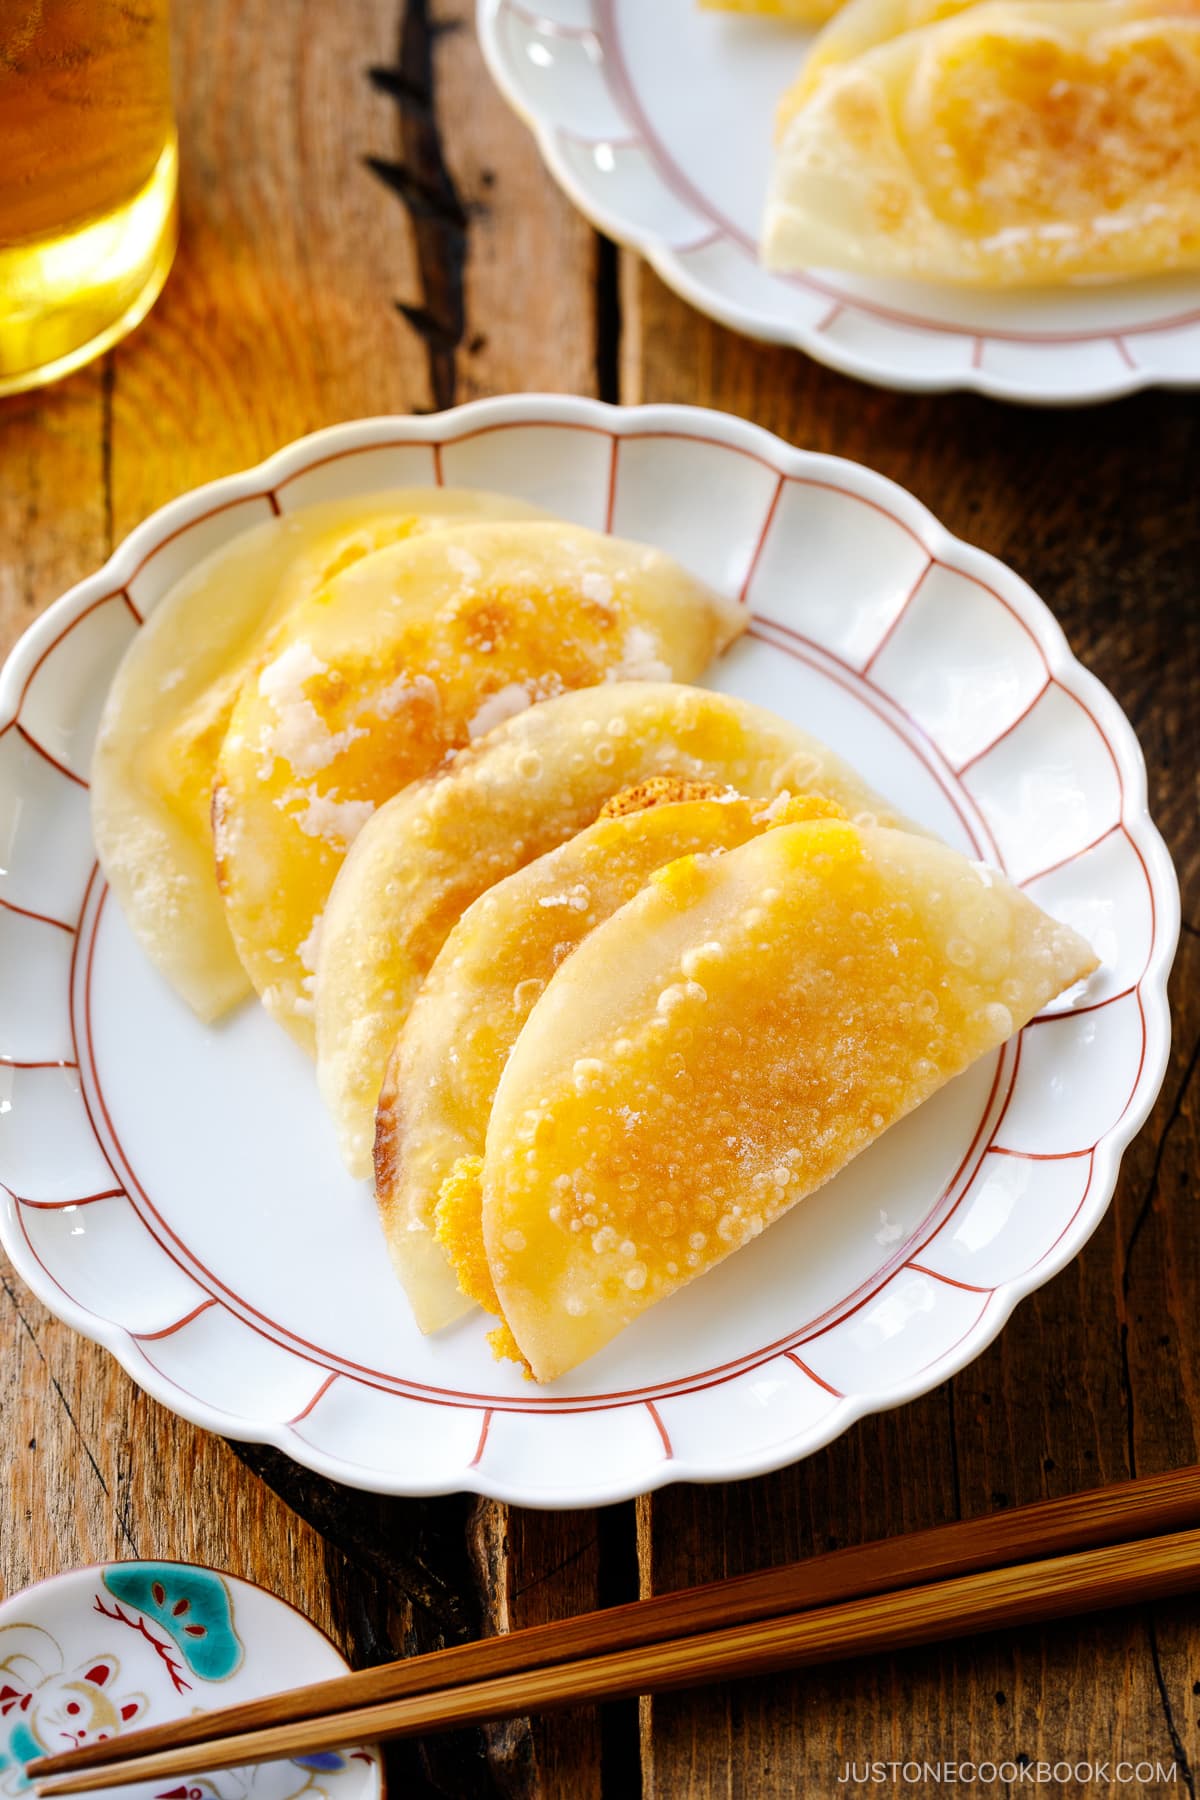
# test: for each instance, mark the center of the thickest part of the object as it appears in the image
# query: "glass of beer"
(88, 169)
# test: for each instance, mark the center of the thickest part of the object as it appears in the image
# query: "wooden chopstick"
(1120, 1512)
(1085, 1581)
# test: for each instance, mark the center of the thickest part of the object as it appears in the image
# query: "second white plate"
(655, 117)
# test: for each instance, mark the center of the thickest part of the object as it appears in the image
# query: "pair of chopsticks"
(1133, 1542)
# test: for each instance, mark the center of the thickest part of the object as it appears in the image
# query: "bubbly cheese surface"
(725, 1043)
(521, 791)
(172, 698)
(405, 657)
(442, 1076)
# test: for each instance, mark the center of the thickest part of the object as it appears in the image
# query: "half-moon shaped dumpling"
(441, 1079)
(523, 790)
(1017, 142)
(170, 703)
(724, 1044)
(405, 657)
(856, 28)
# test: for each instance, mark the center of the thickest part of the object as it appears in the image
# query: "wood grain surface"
(1096, 1377)
(367, 228)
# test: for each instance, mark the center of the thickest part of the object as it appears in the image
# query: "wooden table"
(368, 229)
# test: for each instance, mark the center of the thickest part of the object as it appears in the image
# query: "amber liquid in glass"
(88, 168)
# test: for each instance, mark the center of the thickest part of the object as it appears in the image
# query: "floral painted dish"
(175, 1191)
(104, 1650)
(655, 120)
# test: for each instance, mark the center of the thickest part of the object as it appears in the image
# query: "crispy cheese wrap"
(399, 661)
(468, 1013)
(724, 1044)
(523, 790)
(170, 703)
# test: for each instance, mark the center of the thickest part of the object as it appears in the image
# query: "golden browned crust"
(1005, 143)
(1073, 131)
(661, 790)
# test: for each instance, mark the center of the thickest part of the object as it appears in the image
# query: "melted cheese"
(803, 12)
(727, 1042)
(403, 658)
(442, 1076)
(170, 704)
(518, 793)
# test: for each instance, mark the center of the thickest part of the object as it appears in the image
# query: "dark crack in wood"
(423, 199)
(420, 178)
(511, 1751)
(608, 320)
(387, 1538)
(431, 329)
(400, 87)
(557, 1568)
(620, 1735)
(122, 1519)
(1182, 1761)
(1160, 1150)
(955, 1475)
(401, 1584)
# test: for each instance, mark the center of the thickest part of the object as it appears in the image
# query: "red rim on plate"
(813, 1347)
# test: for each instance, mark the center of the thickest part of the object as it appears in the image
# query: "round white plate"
(655, 117)
(174, 1190)
(113, 1648)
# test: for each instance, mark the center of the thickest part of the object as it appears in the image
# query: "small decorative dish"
(655, 120)
(174, 1190)
(99, 1651)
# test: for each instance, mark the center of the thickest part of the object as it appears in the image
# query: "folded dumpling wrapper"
(442, 1076)
(402, 659)
(170, 703)
(800, 12)
(1015, 143)
(724, 1044)
(858, 27)
(523, 790)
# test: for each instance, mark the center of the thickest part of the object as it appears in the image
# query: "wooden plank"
(534, 1567)
(53, 527)
(530, 275)
(285, 312)
(97, 1470)
(1096, 1376)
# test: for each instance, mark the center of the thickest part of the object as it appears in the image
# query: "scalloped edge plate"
(584, 76)
(928, 662)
